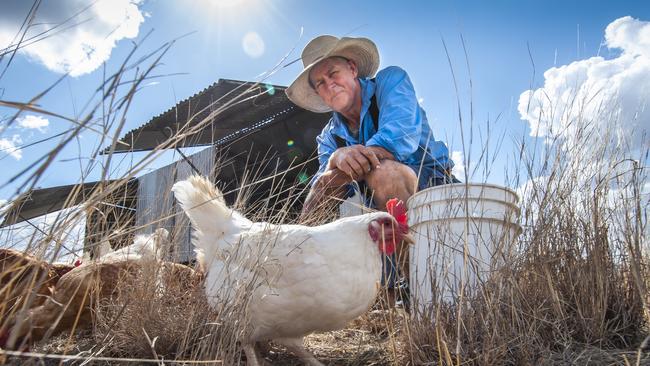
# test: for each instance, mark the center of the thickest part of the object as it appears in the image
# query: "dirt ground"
(366, 341)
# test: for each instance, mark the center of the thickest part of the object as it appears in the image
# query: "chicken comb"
(397, 209)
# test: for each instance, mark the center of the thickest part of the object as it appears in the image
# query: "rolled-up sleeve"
(399, 125)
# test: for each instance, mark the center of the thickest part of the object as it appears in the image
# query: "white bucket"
(463, 233)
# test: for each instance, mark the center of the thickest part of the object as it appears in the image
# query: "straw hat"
(362, 51)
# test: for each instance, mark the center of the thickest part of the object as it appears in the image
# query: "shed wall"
(156, 207)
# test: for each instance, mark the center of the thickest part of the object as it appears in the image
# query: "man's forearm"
(320, 201)
(325, 194)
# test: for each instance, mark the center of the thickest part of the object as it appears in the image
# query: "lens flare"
(303, 177)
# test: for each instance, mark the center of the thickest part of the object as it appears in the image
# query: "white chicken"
(145, 247)
(304, 279)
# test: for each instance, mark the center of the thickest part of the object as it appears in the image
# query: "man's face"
(335, 80)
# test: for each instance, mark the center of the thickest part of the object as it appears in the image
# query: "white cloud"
(9, 147)
(34, 122)
(610, 95)
(624, 198)
(253, 44)
(80, 45)
(630, 35)
(459, 164)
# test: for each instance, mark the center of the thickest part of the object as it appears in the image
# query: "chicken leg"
(296, 346)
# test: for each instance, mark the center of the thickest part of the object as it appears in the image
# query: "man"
(378, 141)
(378, 137)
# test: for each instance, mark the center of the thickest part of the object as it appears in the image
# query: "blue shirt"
(403, 128)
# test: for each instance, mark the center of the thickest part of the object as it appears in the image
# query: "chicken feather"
(304, 279)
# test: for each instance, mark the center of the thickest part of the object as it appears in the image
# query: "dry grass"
(161, 313)
(574, 293)
(575, 290)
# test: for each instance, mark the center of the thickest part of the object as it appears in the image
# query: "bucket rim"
(511, 205)
(465, 184)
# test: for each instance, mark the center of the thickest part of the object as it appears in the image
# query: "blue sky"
(498, 37)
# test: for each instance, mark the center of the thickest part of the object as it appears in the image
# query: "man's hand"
(357, 160)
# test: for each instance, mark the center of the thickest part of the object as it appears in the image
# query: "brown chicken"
(69, 301)
(26, 280)
(77, 293)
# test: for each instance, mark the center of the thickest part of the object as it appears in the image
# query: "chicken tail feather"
(202, 203)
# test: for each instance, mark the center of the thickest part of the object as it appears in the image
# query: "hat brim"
(362, 51)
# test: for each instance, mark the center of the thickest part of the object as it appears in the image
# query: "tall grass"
(574, 290)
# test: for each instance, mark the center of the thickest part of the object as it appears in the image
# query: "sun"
(225, 12)
(228, 3)
(223, 5)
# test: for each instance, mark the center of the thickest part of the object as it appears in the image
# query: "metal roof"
(38, 202)
(246, 106)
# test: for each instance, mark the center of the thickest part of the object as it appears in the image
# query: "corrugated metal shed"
(261, 135)
(261, 142)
